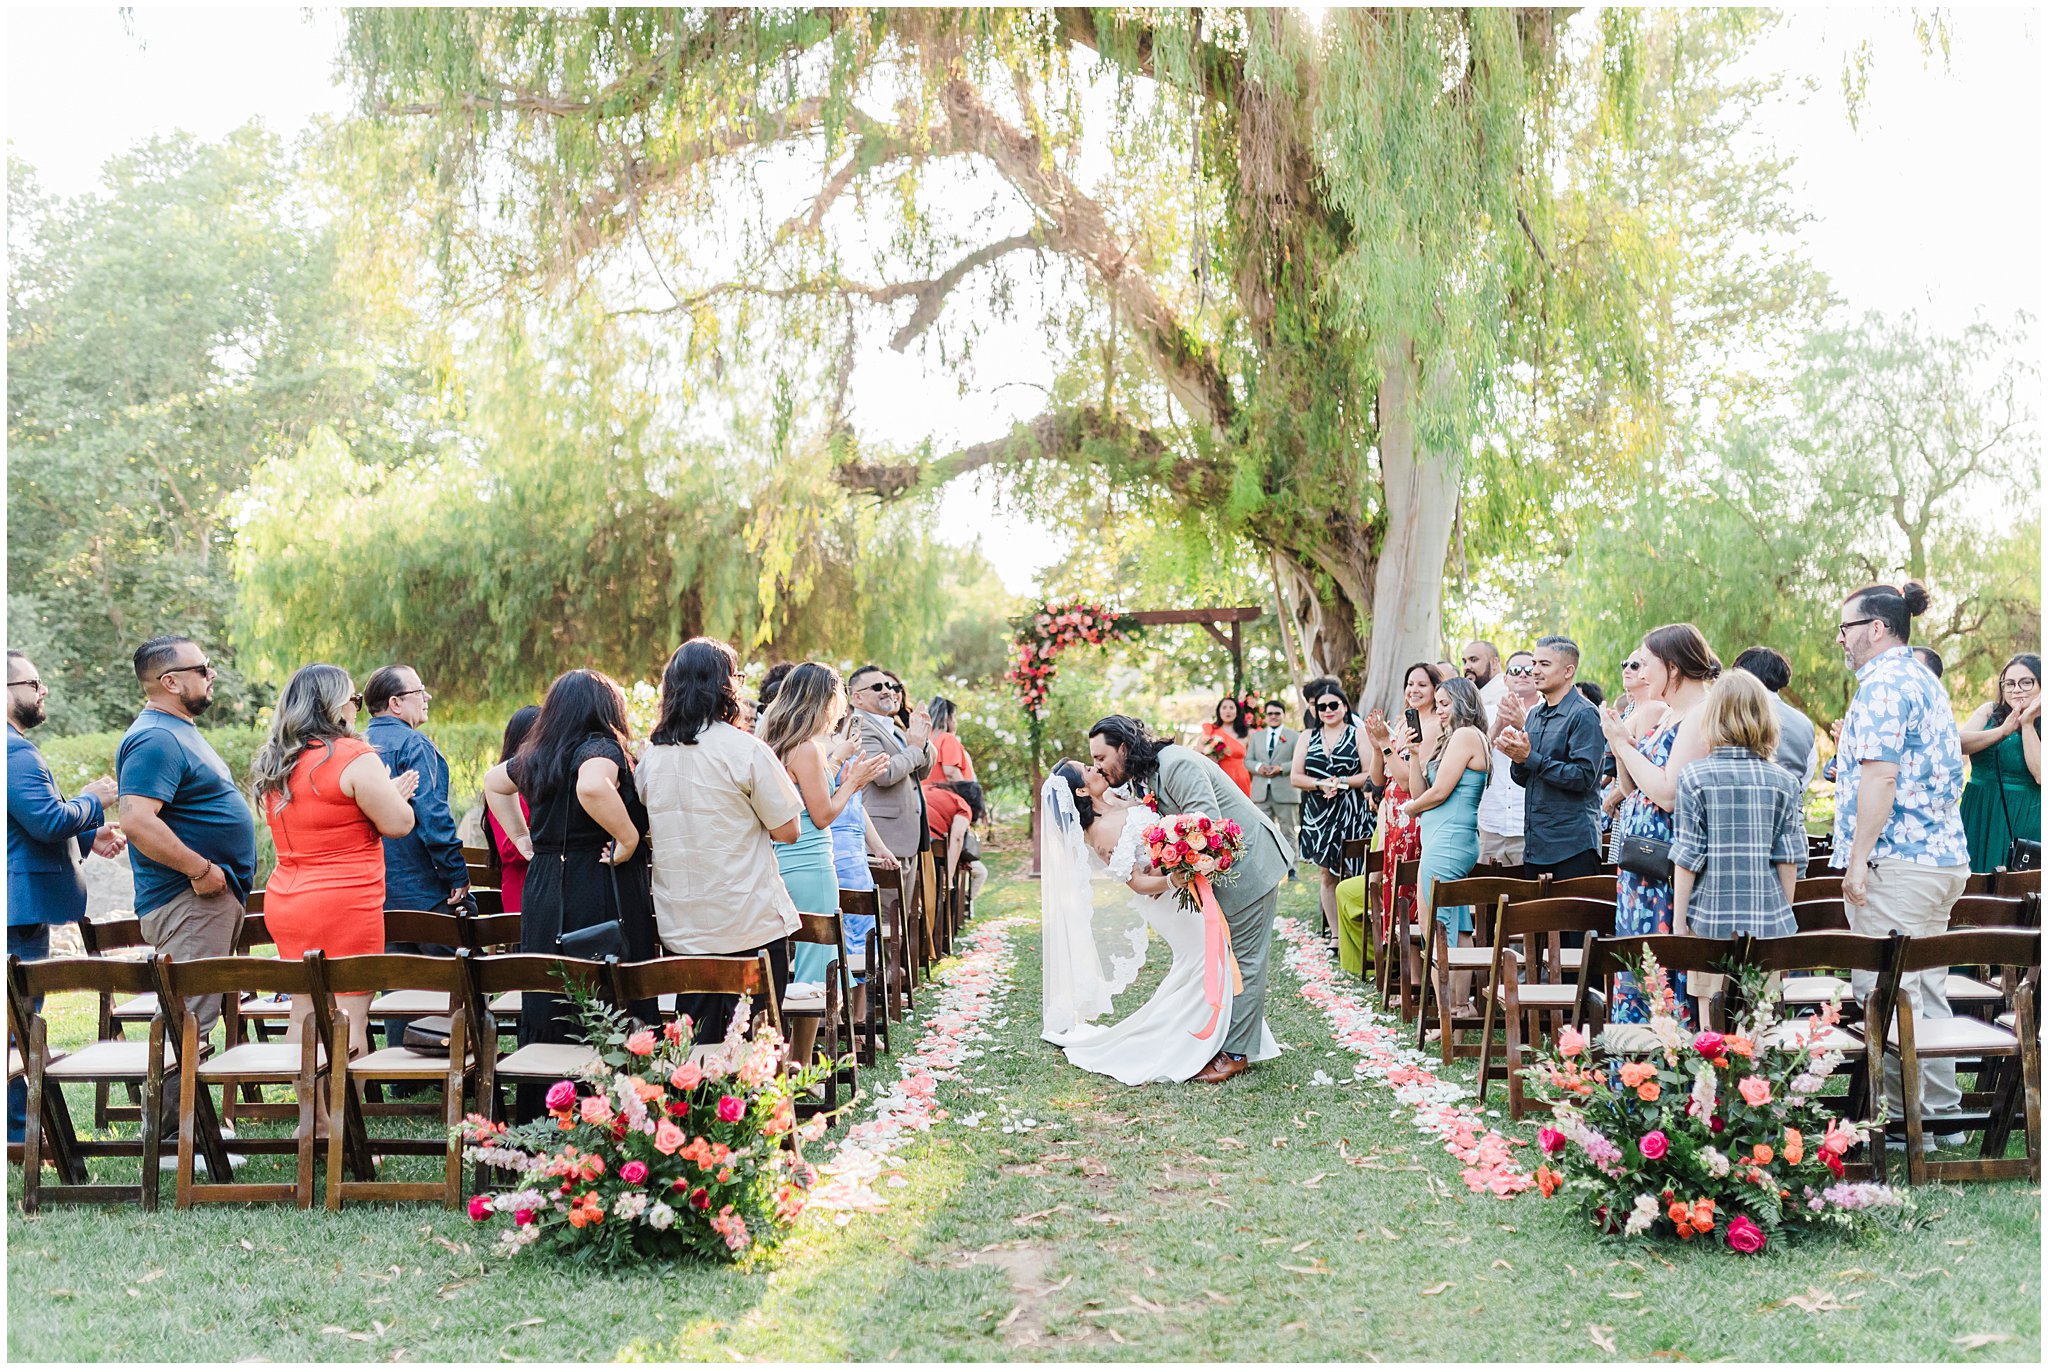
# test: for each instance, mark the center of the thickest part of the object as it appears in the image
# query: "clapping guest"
(1554, 751)
(855, 840)
(717, 802)
(1400, 837)
(1929, 658)
(893, 800)
(1503, 809)
(1796, 733)
(1446, 804)
(953, 761)
(508, 863)
(1223, 741)
(953, 811)
(1329, 771)
(2002, 802)
(330, 805)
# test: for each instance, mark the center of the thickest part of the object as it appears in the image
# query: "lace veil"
(1090, 953)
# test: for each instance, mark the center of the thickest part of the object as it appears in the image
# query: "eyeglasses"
(422, 690)
(31, 682)
(885, 688)
(1330, 706)
(356, 699)
(1841, 628)
(2026, 684)
(1631, 665)
(205, 668)
(1521, 670)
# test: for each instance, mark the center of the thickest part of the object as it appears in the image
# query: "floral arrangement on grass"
(1720, 1137)
(652, 1153)
(1050, 631)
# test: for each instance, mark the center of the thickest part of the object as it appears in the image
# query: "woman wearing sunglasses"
(1334, 808)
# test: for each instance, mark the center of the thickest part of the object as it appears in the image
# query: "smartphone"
(1414, 723)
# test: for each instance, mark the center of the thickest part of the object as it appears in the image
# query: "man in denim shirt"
(424, 869)
(1899, 839)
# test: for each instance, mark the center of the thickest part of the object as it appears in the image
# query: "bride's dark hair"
(1077, 781)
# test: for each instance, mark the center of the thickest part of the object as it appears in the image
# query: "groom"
(1186, 782)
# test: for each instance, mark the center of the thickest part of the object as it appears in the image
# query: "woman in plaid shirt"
(1739, 815)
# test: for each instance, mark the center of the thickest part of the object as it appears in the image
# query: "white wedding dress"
(1157, 1043)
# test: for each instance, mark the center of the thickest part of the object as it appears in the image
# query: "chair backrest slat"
(1827, 950)
(858, 903)
(1988, 911)
(95, 974)
(254, 933)
(2019, 948)
(376, 974)
(426, 926)
(534, 974)
(491, 933)
(817, 929)
(1821, 915)
(748, 975)
(2008, 884)
(102, 936)
(233, 975)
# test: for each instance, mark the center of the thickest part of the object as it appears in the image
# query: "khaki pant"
(1287, 818)
(190, 927)
(1913, 899)
(1496, 849)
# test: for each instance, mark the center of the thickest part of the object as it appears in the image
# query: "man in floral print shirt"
(1898, 828)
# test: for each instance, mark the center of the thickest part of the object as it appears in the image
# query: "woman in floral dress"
(1400, 841)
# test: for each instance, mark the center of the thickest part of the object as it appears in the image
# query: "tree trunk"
(1421, 490)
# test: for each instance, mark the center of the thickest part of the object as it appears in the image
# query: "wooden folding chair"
(489, 902)
(1968, 995)
(50, 1137)
(895, 892)
(1398, 933)
(2009, 1069)
(1677, 953)
(2011, 884)
(536, 1062)
(496, 934)
(429, 928)
(440, 977)
(871, 965)
(667, 978)
(120, 938)
(927, 881)
(834, 1008)
(1355, 858)
(1440, 960)
(1526, 977)
(299, 1065)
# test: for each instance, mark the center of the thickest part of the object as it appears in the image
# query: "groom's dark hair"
(1141, 749)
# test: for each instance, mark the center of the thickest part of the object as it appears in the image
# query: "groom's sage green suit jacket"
(1191, 783)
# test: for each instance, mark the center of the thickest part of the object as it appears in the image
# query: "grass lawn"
(1167, 1223)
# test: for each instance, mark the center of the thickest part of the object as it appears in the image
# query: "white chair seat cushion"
(1955, 1037)
(142, 1006)
(508, 1002)
(1543, 996)
(548, 1060)
(398, 1061)
(1813, 989)
(1962, 989)
(1786, 1033)
(260, 1058)
(409, 1003)
(108, 1061)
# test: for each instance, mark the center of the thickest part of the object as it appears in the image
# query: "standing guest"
(1929, 658)
(1554, 755)
(508, 864)
(331, 806)
(2002, 802)
(854, 842)
(1223, 741)
(953, 761)
(1595, 695)
(1334, 809)
(771, 685)
(1446, 801)
(1899, 839)
(1313, 691)
(1677, 667)
(1271, 756)
(717, 802)
(1796, 733)
(48, 837)
(1482, 668)
(586, 845)
(1400, 838)
(1503, 818)
(193, 837)
(1739, 828)
(953, 810)
(748, 712)
(425, 868)
(892, 798)
(1447, 670)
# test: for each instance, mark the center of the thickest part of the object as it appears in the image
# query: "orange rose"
(1703, 1214)
(1739, 1046)
(1648, 1091)
(1634, 1073)
(1546, 1180)
(1795, 1146)
(1685, 1231)
(1763, 1154)
(1679, 1214)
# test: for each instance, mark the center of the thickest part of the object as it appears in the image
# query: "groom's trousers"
(1251, 938)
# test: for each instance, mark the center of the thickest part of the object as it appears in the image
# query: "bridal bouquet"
(654, 1152)
(1719, 1137)
(1205, 852)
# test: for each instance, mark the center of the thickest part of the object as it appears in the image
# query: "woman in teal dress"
(1447, 792)
(806, 709)
(2003, 741)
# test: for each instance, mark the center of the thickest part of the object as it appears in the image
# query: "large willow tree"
(1308, 251)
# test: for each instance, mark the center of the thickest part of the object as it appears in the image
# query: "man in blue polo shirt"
(192, 836)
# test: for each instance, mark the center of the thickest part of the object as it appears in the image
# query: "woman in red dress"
(507, 862)
(1400, 842)
(330, 803)
(1223, 742)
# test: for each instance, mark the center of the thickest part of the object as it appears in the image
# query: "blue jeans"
(31, 942)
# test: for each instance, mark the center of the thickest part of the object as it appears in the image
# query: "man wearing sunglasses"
(895, 800)
(192, 836)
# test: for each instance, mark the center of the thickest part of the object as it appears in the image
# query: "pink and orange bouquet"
(1195, 845)
(656, 1151)
(1708, 1136)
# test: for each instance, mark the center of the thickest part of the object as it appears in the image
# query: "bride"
(1090, 954)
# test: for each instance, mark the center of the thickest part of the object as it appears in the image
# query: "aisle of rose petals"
(1384, 1055)
(969, 990)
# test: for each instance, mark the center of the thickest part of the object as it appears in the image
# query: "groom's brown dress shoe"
(1222, 1068)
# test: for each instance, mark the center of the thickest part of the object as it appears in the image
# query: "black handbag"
(428, 1036)
(1646, 857)
(2024, 854)
(599, 941)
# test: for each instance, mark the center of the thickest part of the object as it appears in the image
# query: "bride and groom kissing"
(1093, 820)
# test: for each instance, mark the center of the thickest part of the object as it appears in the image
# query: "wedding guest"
(508, 864)
(1223, 741)
(1400, 838)
(1739, 826)
(48, 837)
(1270, 756)
(586, 847)
(854, 841)
(953, 812)
(330, 805)
(1334, 809)
(953, 761)
(1595, 695)
(717, 802)
(1797, 752)
(1503, 816)
(806, 710)
(191, 835)
(771, 684)
(1554, 750)
(1899, 839)
(1313, 691)
(1929, 658)
(1482, 668)
(893, 798)
(2002, 802)
(425, 868)
(1447, 788)
(1677, 667)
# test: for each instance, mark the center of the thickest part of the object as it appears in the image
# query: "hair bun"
(1915, 595)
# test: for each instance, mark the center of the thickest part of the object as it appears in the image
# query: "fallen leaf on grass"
(1114, 1335)
(1600, 1337)
(1964, 1241)
(1389, 1233)
(1294, 1327)
(453, 1287)
(248, 1245)
(1214, 1297)
(1854, 1273)
(1314, 1270)
(1624, 1293)
(1816, 1300)
(153, 1275)
(1092, 1167)
(529, 1322)
(1669, 1355)
(1042, 1214)
(1010, 1317)
(1436, 1289)
(1230, 1144)
(1502, 1265)
(1978, 1340)
(1300, 1247)
(63, 1293)
(1141, 1301)
(1316, 1180)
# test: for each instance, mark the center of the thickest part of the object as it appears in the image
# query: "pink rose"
(1653, 1146)
(633, 1172)
(479, 1207)
(1570, 1042)
(523, 1218)
(1755, 1092)
(561, 1094)
(597, 1110)
(668, 1138)
(1709, 1043)
(730, 1109)
(1745, 1236)
(672, 1031)
(1551, 1140)
(641, 1043)
(688, 1075)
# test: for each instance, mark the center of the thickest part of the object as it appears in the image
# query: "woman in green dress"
(2003, 741)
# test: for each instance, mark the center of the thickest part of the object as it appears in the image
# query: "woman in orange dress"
(1223, 742)
(330, 803)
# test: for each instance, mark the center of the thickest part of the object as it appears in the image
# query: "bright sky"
(1932, 204)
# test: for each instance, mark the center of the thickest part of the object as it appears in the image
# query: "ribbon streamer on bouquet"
(1216, 954)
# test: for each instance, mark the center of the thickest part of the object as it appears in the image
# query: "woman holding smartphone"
(1334, 807)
